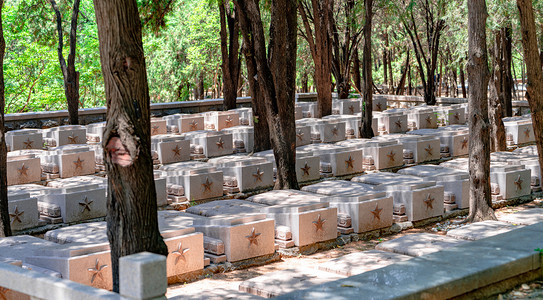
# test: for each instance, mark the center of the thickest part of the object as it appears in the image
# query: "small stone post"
(143, 276)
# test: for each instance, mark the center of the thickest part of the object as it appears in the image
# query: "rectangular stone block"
(24, 139)
(22, 210)
(186, 253)
(251, 173)
(78, 203)
(158, 126)
(171, 148)
(23, 169)
(219, 120)
(66, 134)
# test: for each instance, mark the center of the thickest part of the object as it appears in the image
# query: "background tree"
(69, 74)
(230, 53)
(132, 209)
(366, 130)
(319, 14)
(276, 76)
(5, 224)
(480, 203)
(534, 87)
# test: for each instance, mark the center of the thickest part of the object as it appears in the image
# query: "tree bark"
(5, 222)
(230, 53)
(463, 82)
(366, 130)
(319, 13)
(276, 76)
(401, 85)
(496, 100)
(534, 88)
(357, 80)
(508, 61)
(480, 204)
(69, 74)
(132, 208)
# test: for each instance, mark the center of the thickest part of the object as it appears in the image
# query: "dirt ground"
(234, 278)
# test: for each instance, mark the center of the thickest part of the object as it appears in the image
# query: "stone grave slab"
(85, 233)
(309, 109)
(524, 217)
(307, 164)
(392, 121)
(24, 139)
(352, 123)
(337, 160)
(422, 199)
(244, 236)
(251, 173)
(23, 169)
(22, 210)
(18, 247)
(422, 117)
(325, 131)
(285, 281)
(303, 135)
(379, 103)
(309, 219)
(187, 122)
(243, 138)
(346, 106)
(158, 126)
(85, 264)
(418, 244)
(69, 161)
(199, 180)
(456, 140)
(95, 132)
(77, 203)
(65, 135)
(455, 182)
(185, 250)
(451, 114)
(481, 230)
(360, 262)
(219, 120)
(245, 116)
(385, 154)
(519, 130)
(513, 181)
(214, 143)
(171, 148)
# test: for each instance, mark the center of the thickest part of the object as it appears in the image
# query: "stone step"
(480, 230)
(419, 244)
(525, 217)
(360, 262)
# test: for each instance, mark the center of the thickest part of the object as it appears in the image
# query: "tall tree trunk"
(132, 208)
(508, 61)
(321, 49)
(496, 100)
(401, 85)
(534, 89)
(276, 70)
(69, 74)
(357, 80)
(480, 204)
(463, 82)
(366, 130)
(5, 222)
(229, 52)
(385, 60)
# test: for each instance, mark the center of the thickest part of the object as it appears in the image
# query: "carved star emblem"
(379, 106)
(457, 116)
(228, 121)
(351, 109)
(349, 163)
(179, 253)
(176, 151)
(154, 129)
(253, 238)
(86, 204)
(429, 201)
(72, 139)
(428, 120)
(398, 124)
(306, 169)
(300, 135)
(377, 212)
(258, 175)
(391, 156)
(220, 144)
(319, 223)
(96, 271)
(429, 150)
(335, 131)
(193, 125)
(79, 163)
(207, 185)
(527, 132)
(28, 143)
(464, 143)
(22, 170)
(16, 215)
(518, 183)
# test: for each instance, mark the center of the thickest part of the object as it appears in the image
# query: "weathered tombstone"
(392, 121)
(246, 115)
(303, 135)
(22, 169)
(337, 160)
(158, 126)
(513, 181)
(199, 180)
(23, 210)
(242, 138)
(213, 143)
(219, 120)
(352, 124)
(24, 139)
(77, 203)
(307, 164)
(519, 130)
(171, 148)
(181, 123)
(379, 103)
(417, 149)
(65, 135)
(95, 132)
(69, 161)
(421, 117)
(326, 131)
(346, 106)
(452, 114)
(251, 173)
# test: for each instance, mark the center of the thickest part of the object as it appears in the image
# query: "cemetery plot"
(242, 138)
(392, 121)
(211, 143)
(171, 148)
(24, 139)
(335, 159)
(22, 169)
(219, 120)
(307, 164)
(65, 135)
(250, 173)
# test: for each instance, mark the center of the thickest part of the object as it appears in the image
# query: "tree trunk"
(357, 80)
(276, 70)
(321, 50)
(366, 130)
(508, 60)
(463, 82)
(401, 85)
(69, 74)
(5, 222)
(496, 100)
(480, 204)
(132, 208)
(385, 61)
(230, 53)
(534, 89)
